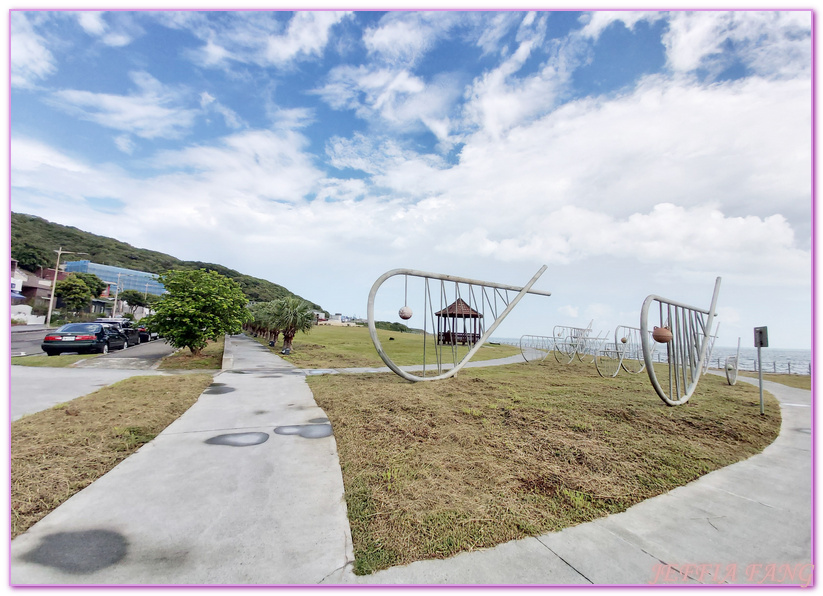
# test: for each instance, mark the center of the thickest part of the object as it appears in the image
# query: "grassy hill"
(33, 235)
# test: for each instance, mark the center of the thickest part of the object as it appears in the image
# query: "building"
(119, 278)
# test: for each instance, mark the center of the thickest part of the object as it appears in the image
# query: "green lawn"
(352, 347)
(59, 361)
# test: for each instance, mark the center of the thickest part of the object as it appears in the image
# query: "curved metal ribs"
(732, 364)
(536, 347)
(626, 352)
(691, 330)
(479, 298)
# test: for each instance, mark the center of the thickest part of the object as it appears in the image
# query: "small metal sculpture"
(685, 330)
(575, 341)
(471, 303)
(608, 361)
(732, 362)
(625, 353)
(536, 347)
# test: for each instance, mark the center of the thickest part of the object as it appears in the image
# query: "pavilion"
(447, 324)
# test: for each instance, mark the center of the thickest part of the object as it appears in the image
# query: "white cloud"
(121, 32)
(92, 22)
(393, 98)
(31, 59)
(257, 37)
(153, 111)
(124, 143)
(599, 21)
(307, 35)
(495, 29)
(404, 37)
(771, 43)
(500, 100)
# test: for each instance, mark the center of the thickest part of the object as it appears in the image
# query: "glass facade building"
(128, 279)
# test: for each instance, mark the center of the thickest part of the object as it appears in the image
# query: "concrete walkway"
(203, 504)
(219, 497)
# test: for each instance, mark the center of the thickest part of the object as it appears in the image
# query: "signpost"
(761, 340)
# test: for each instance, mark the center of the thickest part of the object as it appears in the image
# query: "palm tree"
(290, 316)
(263, 322)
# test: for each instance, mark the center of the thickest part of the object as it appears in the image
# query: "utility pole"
(116, 293)
(59, 252)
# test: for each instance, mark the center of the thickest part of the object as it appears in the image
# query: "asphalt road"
(26, 342)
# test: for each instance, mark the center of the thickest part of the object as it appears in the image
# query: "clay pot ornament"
(662, 335)
(405, 313)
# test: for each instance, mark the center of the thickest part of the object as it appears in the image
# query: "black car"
(146, 334)
(125, 326)
(84, 337)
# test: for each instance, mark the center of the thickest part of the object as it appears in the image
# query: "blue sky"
(634, 153)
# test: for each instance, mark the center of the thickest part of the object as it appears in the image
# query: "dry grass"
(60, 451)
(210, 358)
(433, 469)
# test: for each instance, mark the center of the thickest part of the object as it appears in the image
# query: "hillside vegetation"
(42, 236)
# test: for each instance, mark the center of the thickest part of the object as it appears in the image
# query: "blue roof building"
(128, 279)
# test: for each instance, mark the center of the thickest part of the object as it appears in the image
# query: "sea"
(796, 362)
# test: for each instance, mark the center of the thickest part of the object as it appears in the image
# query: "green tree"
(74, 292)
(290, 316)
(197, 306)
(30, 257)
(95, 284)
(133, 298)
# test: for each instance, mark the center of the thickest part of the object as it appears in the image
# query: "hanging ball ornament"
(662, 335)
(405, 313)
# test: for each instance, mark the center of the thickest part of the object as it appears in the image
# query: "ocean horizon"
(794, 361)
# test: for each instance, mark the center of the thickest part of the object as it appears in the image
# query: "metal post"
(760, 379)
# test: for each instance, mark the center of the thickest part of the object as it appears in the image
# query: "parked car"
(146, 334)
(84, 338)
(125, 326)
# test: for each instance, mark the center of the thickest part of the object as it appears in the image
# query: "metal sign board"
(761, 337)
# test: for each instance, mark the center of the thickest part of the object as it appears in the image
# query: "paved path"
(184, 511)
(206, 502)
